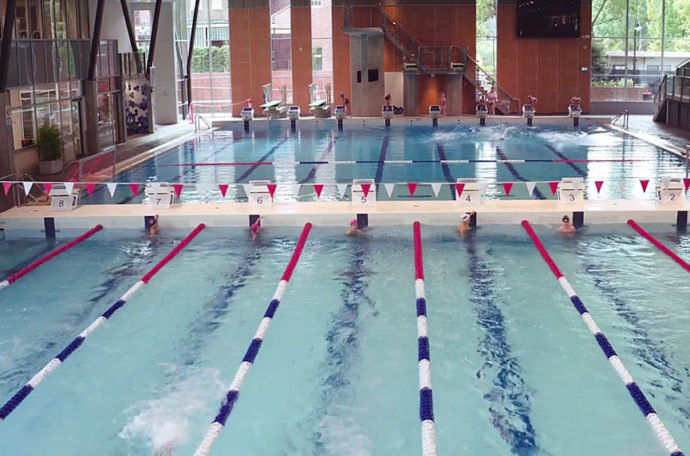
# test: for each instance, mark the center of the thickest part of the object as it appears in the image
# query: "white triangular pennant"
(389, 189)
(69, 186)
(27, 187)
(296, 188)
(530, 187)
(436, 187)
(342, 188)
(111, 188)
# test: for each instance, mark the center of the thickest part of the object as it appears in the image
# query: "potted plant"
(49, 145)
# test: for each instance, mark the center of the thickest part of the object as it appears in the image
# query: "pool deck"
(29, 221)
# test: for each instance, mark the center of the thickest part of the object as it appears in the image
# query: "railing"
(408, 44)
(98, 167)
(12, 194)
(440, 58)
(483, 82)
(28, 178)
(624, 115)
(198, 120)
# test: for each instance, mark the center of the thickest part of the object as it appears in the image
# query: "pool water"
(275, 154)
(514, 369)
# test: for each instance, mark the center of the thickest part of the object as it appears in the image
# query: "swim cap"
(353, 222)
(466, 217)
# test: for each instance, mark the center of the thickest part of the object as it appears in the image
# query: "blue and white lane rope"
(20, 395)
(426, 403)
(635, 392)
(232, 395)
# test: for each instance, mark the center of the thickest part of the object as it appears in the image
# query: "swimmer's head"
(466, 217)
(565, 219)
(353, 223)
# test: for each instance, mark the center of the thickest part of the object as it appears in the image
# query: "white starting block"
(61, 199)
(258, 193)
(671, 191)
(470, 193)
(528, 112)
(575, 113)
(247, 113)
(358, 197)
(160, 194)
(482, 113)
(571, 190)
(434, 113)
(339, 112)
(293, 112)
(387, 112)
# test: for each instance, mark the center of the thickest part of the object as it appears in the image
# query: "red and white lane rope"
(18, 275)
(233, 393)
(683, 264)
(635, 392)
(426, 403)
(20, 395)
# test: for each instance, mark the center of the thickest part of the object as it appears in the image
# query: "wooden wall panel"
(549, 69)
(341, 55)
(300, 22)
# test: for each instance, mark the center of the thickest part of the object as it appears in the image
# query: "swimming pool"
(514, 369)
(398, 155)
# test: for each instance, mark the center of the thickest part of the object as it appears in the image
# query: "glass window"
(316, 3)
(21, 20)
(142, 24)
(71, 10)
(85, 33)
(47, 20)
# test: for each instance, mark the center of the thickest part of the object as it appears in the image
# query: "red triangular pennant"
(507, 186)
(6, 186)
(644, 183)
(554, 187)
(48, 186)
(178, 189)
(271, 189)
(223, 189)
(412, 186)
(365, 189)
(134, 188)
(686, 181)
(459, 188)
(598, 184)
(89, 188)
(317, 189)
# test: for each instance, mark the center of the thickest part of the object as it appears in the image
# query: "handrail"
(197, 121)
(625, 115)
(41, 189)
(407, 42)
(501, 90)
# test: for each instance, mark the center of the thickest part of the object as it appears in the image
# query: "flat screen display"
(548, 18)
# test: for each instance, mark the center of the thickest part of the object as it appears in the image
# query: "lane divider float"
(18, 275)
(426, 403)
(635, 392)
(248, 360)
(683, 264)
(20, 395)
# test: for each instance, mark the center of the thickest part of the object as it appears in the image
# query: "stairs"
(661, 102)
(429, 59)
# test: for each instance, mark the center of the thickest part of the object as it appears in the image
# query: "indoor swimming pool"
(398, 155)
(514, 369)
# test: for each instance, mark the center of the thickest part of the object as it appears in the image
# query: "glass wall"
(322, 47)
(48, 58)
(281, 50)
(634, 43)
(486, 36)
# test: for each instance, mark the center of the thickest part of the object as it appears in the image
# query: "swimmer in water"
(153, 226)
(354, 228)
(566, 227)
(464, 226)
(255, 228)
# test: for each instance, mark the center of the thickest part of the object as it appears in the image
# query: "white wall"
(393, 82)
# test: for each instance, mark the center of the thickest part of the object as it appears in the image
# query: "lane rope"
(18, 275)
(642, 232)
(426, 403)
(49, 368)
(248, 360)
(635, 392)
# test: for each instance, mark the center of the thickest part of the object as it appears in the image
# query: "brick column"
(300, 24)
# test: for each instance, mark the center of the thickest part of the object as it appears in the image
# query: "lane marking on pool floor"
(426, 402)
(536, 192)
(49, 368)
(18, 275)
(321, 161)
(660, 430)
(642, 232)
(250, 356)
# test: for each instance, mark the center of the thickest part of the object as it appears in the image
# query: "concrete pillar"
(165, 89)
(300, 25)
(411, 93)
(454, 95)
(366, 54)
(91, 143)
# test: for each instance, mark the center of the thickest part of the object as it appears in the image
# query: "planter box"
(50, 167)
